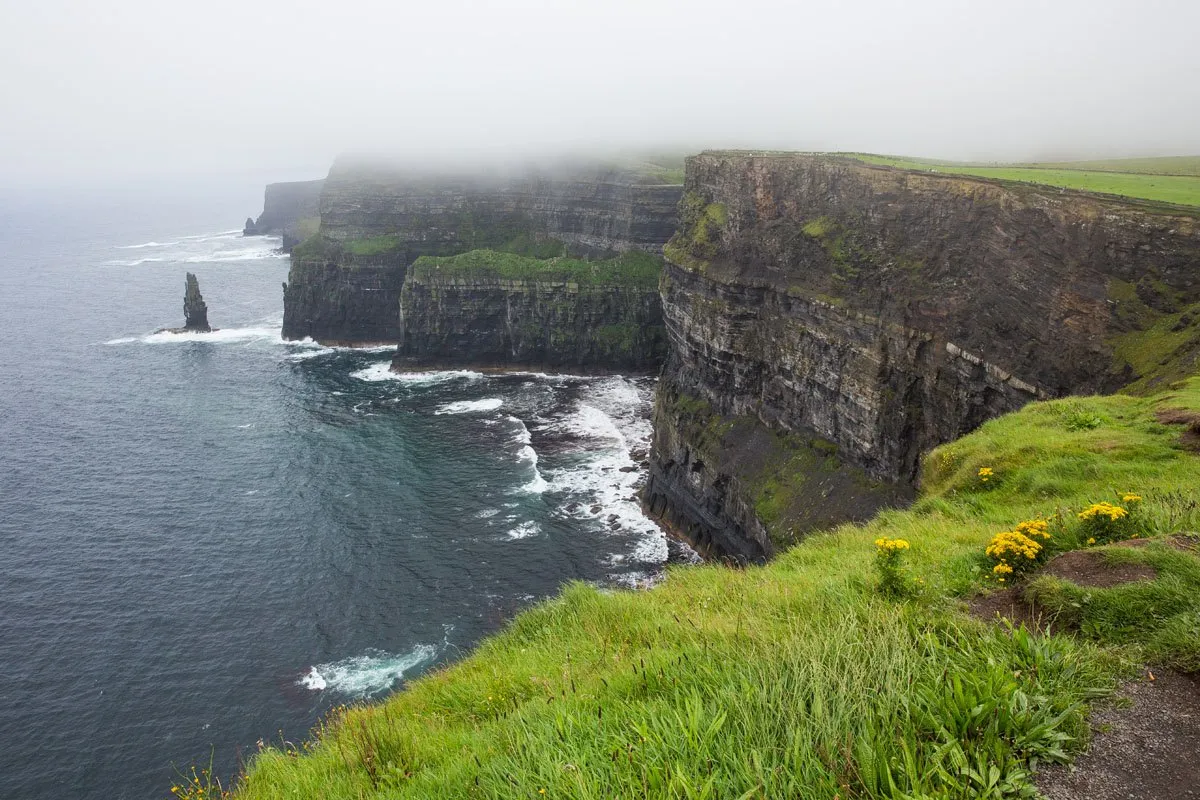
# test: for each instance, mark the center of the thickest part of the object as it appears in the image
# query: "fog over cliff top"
(146, 87)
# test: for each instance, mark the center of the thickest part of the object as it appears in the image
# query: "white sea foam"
(367, 674)
(146, 244)
(537, 484)
(612, 417)
(471, 406)
(316, 350)
(269, 333)
(525, 530)
(383, 372)
(236, 233)
(223, 247)
(487, 513)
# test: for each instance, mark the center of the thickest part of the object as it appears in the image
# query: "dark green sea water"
(208, 540)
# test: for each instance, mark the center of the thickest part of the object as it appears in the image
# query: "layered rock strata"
(884, 312)
(288, 208)
(459, 312)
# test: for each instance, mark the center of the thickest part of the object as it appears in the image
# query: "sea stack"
(195, 313)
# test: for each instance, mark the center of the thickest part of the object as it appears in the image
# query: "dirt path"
(1149, 750)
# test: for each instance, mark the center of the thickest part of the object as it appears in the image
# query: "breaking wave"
(471, 406)
(368, 674)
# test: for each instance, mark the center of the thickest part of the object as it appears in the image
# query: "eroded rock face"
(285, 207)
(375, 221)
(195, 312)
(886, 312)
(545, 325)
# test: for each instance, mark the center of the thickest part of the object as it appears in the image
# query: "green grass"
(1159, 616)
(797, 679)
(374, 245)
(1175, 189)
(633, 269)
(1165, 165)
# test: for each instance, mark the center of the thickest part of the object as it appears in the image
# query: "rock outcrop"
(195, 312)
(876, 313)
(290, 210)
(344, 284)
(560, 314)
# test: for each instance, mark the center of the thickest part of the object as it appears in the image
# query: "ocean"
(209, 540)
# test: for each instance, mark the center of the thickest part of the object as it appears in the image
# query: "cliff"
(290, 210)
(376, 220)
(489, 309)
(879, 312)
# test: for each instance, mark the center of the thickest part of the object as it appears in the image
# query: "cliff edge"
(877, 312)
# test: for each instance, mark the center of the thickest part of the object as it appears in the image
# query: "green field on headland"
(801, 678)
(1167, 180)
(634, 268)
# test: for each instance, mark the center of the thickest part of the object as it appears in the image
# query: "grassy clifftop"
(800, 678)
(634, 268)
(1169, 180)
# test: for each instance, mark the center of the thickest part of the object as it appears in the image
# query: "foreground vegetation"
(803, 678)
(1174, 181)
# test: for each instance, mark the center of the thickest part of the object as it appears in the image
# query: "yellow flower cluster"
(891, 544)
(1034, 527)
(985, 473)
(1130, 497)
(1011, 543)
(1017, 548)
(1097, 510)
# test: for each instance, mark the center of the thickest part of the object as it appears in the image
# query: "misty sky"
(150, 86)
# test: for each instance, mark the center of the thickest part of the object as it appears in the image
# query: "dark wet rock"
(628, 469)
(596, 509)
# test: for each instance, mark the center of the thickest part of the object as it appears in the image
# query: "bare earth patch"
(1081, 567)
(1007, 604)
(1088, 568)
(1190, 438)
(1149, 750)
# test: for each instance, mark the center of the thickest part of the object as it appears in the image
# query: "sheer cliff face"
(886, 312)
(551, 325)
(374, 223)
(284, 206)
(593, 211)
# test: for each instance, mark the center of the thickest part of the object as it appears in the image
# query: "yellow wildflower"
(1013, 543)
(891, 544)
(1091, 540)
(1131, 498)
(985, 473)
(1034, 527)
(1002, 569)
(1109, 510)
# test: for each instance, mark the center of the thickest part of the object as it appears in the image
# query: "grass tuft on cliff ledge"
(635, 268)
(801, 678)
